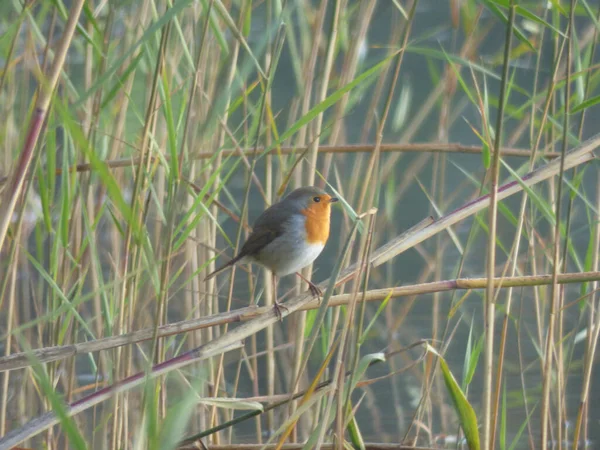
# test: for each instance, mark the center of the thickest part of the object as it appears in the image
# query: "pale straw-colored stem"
(490, 307)
(555, 318)
(48, 354)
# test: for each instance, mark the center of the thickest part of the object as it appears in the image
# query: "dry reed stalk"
(223, 343)
(201, 258)
(512, 261)
(585, 390)
(270, 287)
(212, 232)
(448, 113)
(262, 112)
(49, 354)
(11, 281)
(93, 207)
(373, 164)
(129, 293)
(372, 113)
(561, 369)
(48, 419)
(90, 124)
(44, 97)
(121, 406)
(187, 140)
(580, 155)
(470, 45)
(532, 248)
(347, 74)
(555, 319)
(345, 412)
(332, 43)
(397, 245)
(204, 82)
(514, 257)
(490, 307)
(209, 89)
(592, 340)
(324, 446)
(593, 332)
(423, 147)
(341, 362)
(309, 74)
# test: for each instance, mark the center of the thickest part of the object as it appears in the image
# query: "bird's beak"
(333, 199)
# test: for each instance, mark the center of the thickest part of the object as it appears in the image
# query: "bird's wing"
(258, 239)
(269, 226)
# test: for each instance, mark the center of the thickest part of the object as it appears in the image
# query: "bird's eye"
(316, 199)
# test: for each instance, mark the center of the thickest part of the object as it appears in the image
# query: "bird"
(288, 236)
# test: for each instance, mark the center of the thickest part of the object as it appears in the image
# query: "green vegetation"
(141, 139)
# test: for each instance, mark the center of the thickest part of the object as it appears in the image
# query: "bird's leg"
(276, 305)
(314, 289)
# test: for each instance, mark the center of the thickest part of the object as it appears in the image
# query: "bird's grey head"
(303, 197)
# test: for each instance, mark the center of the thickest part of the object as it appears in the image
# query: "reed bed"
(142, 139)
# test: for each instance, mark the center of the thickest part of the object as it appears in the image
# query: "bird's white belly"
(303, 258)
(285, 256)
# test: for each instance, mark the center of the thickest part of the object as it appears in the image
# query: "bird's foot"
(315, 291)
(278, 307)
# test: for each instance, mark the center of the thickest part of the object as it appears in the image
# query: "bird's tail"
(223, 267)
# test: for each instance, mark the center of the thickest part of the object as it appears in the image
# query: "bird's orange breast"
(317, 222)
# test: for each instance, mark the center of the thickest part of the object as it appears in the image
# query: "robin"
(288, 236)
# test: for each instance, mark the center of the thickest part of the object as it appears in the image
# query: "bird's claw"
(278, 307)
(315, 291)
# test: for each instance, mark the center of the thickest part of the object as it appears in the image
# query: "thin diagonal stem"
(45, 94)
